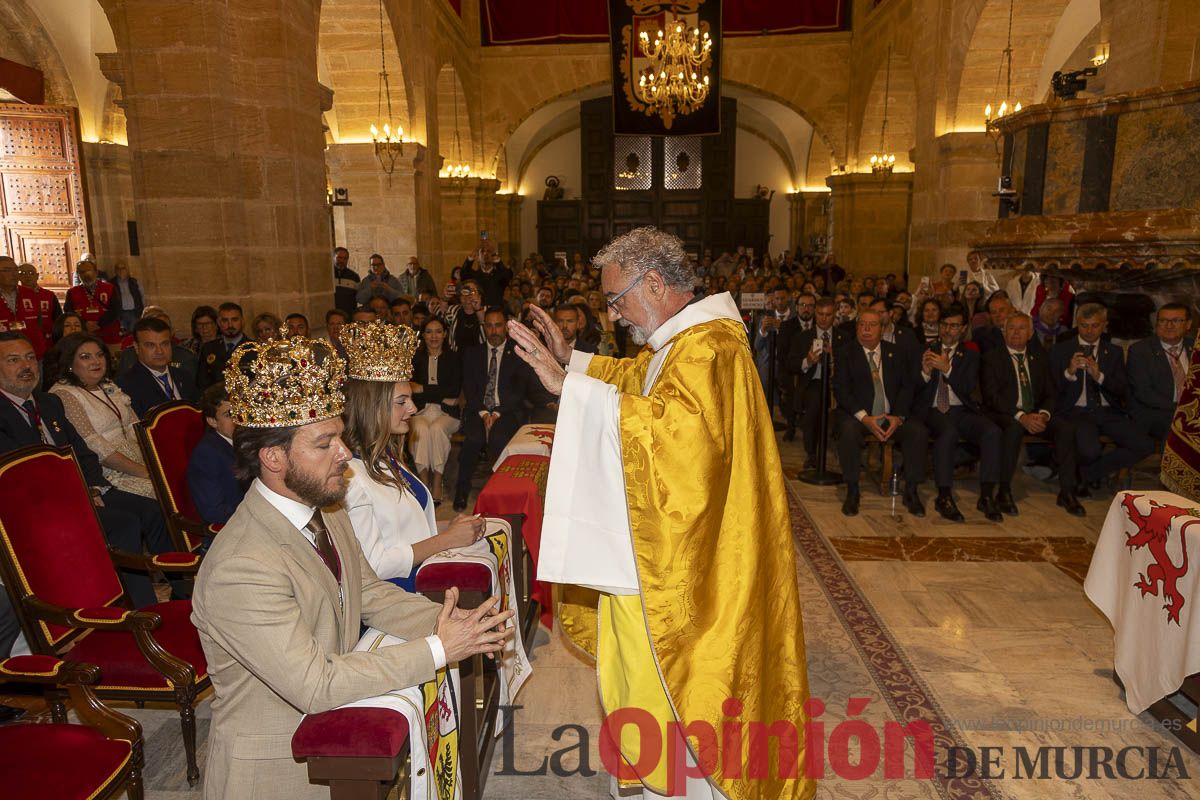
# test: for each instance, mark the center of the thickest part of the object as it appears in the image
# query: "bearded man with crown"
(284, 590)
(665, 499)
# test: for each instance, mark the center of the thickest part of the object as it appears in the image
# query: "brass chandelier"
(457, 170)
(1006, 59)
(883, 162)
(676, 80)
(389, 143)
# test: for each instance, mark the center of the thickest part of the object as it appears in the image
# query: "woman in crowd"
(66, 324)
(204, 328)
(608, 336)
(266, 327)
(437, 383)
(931, 315)
(100, 411)
(391, 510)
(975, 312)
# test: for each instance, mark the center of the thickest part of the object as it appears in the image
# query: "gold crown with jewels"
(378, 351)
(284, 382)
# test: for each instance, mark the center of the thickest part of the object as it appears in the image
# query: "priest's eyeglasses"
(612, 302)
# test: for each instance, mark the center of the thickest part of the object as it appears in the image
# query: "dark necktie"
(942, 398)
(35, 418)
(1093, 388)
(1026, 386)
(229, 346)
(324, 544)
(489, 391)
(165, 380)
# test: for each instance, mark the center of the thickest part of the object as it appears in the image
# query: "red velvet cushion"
(441, 575)
(35, 665)
(173, 434)
(360, 732)
(122, 664)
(33, 757)
(58, 545)
(176, 559)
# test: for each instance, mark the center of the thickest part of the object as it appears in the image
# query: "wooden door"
(42, 215)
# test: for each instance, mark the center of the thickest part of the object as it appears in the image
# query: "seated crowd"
(963, 371)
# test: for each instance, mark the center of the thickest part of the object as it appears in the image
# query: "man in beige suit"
(283, 591)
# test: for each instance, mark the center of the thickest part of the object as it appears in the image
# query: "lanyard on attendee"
(104, 398)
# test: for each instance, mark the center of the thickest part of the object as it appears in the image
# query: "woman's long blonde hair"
(368, 433)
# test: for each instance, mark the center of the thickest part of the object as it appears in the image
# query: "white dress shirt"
(299, 514)
(18, 402)
(1073, 375)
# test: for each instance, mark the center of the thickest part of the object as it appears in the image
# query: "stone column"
(871, 216)
(808, 216)
(467, 209)
(509, 211)
(382, 217)
(223, 110)
(952, 200)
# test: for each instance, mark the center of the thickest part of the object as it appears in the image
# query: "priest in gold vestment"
(666, 497)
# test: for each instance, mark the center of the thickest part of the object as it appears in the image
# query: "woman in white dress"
(437, 383)
(390, 509)
(101, 412)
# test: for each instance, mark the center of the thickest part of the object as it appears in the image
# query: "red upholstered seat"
(354, 732)
(34, 760)
(441, 575)
(168, 434)
(122, 664)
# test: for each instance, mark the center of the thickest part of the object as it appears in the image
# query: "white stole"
(586, 534)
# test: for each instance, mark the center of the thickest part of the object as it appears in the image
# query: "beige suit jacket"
(279, 645)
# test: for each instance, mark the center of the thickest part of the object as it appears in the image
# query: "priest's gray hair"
(644, 249)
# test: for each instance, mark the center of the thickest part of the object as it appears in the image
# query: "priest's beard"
(313, 488)
(639, 334)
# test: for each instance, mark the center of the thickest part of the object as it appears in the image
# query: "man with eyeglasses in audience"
(1158, 368)
(464, 322)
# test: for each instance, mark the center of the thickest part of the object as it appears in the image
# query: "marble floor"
(980, 630)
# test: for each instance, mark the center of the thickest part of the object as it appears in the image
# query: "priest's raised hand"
(546, 364)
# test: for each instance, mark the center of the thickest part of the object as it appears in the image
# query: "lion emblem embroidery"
(1153, 532)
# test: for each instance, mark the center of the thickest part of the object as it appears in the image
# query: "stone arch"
(349, 63)
(974, 76)
(24, 31)
(901, 113)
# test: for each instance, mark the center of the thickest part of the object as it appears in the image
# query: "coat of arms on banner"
(666, 69)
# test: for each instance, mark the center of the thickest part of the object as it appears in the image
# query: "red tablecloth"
(518, 486)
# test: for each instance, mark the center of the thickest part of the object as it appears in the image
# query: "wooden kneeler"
(357, 752)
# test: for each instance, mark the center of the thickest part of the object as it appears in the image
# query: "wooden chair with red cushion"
(59, 572)
(97, 760)
(168, 434)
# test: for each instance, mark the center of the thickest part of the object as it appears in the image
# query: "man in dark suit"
(904, 337)
(1092, 384)
(153, 379)
(29, 417)
(1158, 369)
(789, 329)
(766, 331)
(874, 385)
(802, 363)
(215, 354)
(1018, 394)
(497, 387)
(946, 403)
(215, 490)
(999, 308)
(181, 358)
(570, 321)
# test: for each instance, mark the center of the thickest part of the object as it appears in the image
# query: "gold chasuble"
(666, 495)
